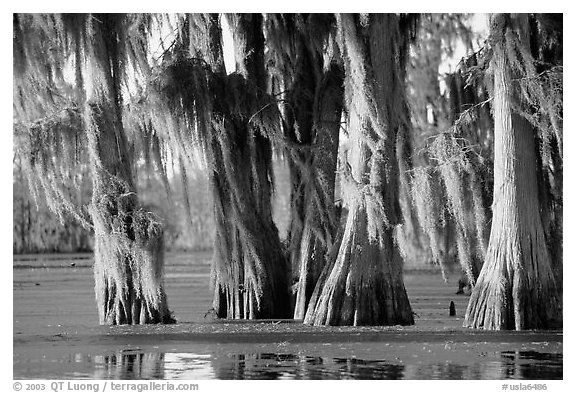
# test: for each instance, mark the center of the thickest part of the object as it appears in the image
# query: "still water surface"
(56, 336)
(518, 365)
(401, 362)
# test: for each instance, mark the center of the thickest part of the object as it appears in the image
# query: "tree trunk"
(128, 254)
(516, 287)
(312, 127)
(319, 220)
(364, 284)
(249, 269)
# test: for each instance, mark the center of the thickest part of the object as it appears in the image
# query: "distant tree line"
(37, 230)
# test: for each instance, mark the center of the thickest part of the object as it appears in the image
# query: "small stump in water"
(452, 309)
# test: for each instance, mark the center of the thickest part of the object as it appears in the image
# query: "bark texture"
(128, 253)
(249, 268)
(312, 127)
(516, 287)
(319, 218)
(363, 284)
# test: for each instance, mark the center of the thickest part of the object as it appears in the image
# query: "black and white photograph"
(286, 196)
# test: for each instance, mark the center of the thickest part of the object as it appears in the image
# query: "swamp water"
(56, 336)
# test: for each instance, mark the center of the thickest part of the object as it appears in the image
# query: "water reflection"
(188, 366)
(290, 366)
(135, 364)
(522, 363)
(130, 364)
